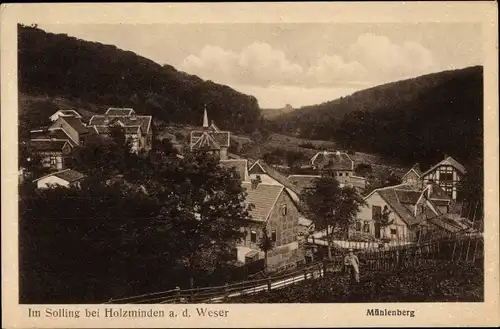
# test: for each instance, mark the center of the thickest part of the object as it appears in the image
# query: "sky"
(295, 63)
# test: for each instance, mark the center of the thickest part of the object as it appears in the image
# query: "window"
(283, 210)
(366, 227)
(53, 160)
(273, 235)
(340, 174)
(358, 226)
(446, 174)
(376, 213)
(253, 236)
(394, 231)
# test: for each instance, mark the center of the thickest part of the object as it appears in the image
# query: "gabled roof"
(390, 197)
(303, 181)
(263, 197)
(333, 160)
(134, 120)
(241, 166)
(68, 175)
(415, 169)
(56, 133)
(407, 196)
(449, 161)
(222, 138)
(67, 113)
(73, 122)
(120, 111)
(205, 141)
(48, 145)
(276, 175)
(437, 192)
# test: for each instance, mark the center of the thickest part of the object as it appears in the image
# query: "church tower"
(205, 118)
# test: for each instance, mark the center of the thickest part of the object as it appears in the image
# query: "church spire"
(205, 118)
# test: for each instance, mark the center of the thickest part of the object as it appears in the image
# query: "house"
(303, 182)
(447, 174)
(268, 175)
(54, 153)
(73, 127)
(65, 178)
(65, 113)
(240, 165)
(116, 111)
(210, 138)
(413, 177)
(55, 133)
(307, 181)
(405, 210)
(274, 208)
(337, 162)
(137, 128)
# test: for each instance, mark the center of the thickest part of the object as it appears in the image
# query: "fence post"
(305, 274)
(178, 293)
(226, 291)
(268, 284)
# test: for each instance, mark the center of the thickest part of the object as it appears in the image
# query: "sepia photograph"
(250, 163)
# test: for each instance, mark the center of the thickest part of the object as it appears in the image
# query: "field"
(441, 282)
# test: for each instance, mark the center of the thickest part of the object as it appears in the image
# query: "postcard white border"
(253, 315)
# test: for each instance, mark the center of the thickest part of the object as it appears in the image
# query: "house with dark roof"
(65, 113)
(54, 153)
(210, 138)
(137, 128)
(124, 111)
(271, 206)
(73, 127)
(339, 163)
(399, 212)
(447, 174)
(64, 178)
(56, 133)
(413, 177)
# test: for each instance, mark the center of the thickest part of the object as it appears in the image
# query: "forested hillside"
(419, 119)
(56, 65)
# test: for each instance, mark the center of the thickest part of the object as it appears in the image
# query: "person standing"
(351, 263)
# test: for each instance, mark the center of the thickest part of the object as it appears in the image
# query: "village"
(424, 205)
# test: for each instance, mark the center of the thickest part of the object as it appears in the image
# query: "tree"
(265, 244)
(333, 208)
(202, 206)
(471, 192)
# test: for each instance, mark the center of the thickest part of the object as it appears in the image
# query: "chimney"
(255, 182)
(445, 156)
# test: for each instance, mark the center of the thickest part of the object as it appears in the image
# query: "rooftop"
(448, 161)
(263, 197)
(55, 145)
(144, 121)
(332, 160)
(68, 175)
(240, 165)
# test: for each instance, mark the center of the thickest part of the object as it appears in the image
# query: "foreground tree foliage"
(167, 221)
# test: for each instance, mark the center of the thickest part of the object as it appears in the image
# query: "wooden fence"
(465, 248)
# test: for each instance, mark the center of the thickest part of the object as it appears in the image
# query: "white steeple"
(205, 118)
